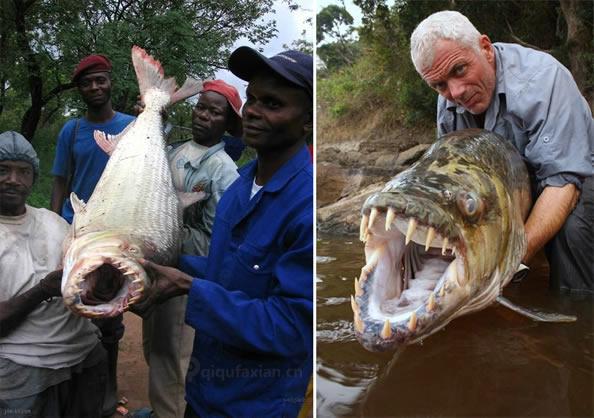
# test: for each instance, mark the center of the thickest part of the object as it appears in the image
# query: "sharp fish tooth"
(386, 330)
(354, 305)
(453, 271)
(412, 225)
(453, 250)
(358, 323)
(390, 215)
(363, 228)
(444, 246)
(358, 289)
(430, 236)
(372, 262)
(372, 217)
(412, 323)
(431, 303)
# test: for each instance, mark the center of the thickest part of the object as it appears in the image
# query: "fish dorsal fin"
(108, 142)
(150, 75)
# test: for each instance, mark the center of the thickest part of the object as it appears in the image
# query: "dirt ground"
(132, 369)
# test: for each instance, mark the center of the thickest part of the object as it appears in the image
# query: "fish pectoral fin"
(189, 198)
(108, 143)
(78, 205)
(534, 314)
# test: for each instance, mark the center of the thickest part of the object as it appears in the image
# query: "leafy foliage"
(335, 22)
(42, 40)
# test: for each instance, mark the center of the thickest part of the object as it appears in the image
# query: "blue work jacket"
(251, 302)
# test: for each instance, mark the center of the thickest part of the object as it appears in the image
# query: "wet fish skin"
(134, 211)
(467, 198)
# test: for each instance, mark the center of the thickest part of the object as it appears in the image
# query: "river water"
(492, 363)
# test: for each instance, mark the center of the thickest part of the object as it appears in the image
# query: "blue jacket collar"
(282, 176)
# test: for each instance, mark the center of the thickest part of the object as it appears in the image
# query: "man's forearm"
(14, 311)
(58, 194)
(548, 215)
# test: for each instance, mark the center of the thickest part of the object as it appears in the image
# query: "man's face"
(276, 115)
(462, 75)
(210, 118)
(95, 88)
(16, 181)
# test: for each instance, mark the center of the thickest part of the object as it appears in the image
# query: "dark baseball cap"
(294, 66)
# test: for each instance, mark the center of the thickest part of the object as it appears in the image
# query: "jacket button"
(256, 267)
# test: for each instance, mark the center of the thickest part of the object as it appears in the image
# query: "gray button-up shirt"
(538, 107)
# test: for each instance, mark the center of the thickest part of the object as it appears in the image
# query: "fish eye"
(470, 205)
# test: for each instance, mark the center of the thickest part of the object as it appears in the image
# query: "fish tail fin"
(150, 75)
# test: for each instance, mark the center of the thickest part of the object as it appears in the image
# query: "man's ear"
(486, 47)
(308, 125)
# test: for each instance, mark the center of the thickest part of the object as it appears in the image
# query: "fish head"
(441, 239)
(102, 275)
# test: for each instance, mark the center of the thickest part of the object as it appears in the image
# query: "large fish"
(133, 212)
(442, 239)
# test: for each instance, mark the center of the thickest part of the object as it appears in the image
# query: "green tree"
(335, 22)
(42, 40)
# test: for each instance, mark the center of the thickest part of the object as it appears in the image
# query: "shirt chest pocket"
(253, 270)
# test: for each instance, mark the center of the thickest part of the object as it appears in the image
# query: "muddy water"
(491, 363)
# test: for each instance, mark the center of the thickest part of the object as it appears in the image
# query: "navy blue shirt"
(251, 303)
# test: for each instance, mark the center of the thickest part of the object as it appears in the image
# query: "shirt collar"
(283, 174)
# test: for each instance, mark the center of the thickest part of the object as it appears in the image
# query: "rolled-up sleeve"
(559, 129)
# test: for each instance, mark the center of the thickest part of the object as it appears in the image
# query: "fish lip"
(134, 291)
(370, 337)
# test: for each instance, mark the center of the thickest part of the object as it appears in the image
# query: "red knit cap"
(226, 90)
(92, 64)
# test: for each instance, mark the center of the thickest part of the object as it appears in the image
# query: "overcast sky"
(289, 24)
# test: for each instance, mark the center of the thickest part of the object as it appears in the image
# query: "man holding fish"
(251, 300)
(529, 98)
(198, 165)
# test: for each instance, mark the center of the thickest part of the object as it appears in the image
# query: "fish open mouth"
(104, 286)
(414, 258)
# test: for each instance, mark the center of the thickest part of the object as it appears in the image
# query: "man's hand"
(168, 283)
(51, 284)
(139, 108)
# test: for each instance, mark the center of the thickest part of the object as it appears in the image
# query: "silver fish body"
(442, 239)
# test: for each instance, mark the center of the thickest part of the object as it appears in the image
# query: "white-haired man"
(528, 97)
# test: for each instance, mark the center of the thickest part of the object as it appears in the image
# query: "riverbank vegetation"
(367, 71)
